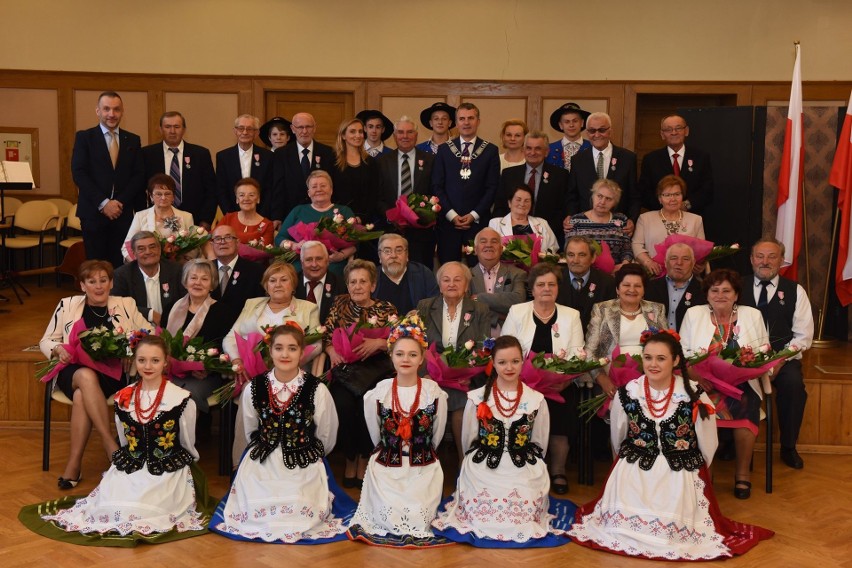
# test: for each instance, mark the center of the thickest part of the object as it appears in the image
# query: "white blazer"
(251, 319)
(123, 314)
(146, 221)
(503, 225)
(520, 324)
(697, 331)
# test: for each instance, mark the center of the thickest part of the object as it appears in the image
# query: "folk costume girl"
(501, 498)
(281, 491)
(658, 501)
(153, 492)
(406, 420)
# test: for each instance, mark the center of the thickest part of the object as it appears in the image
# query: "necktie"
(311, 295)
(466, 151)
(763, 299)
(599, 167)
(531, 182)
(306, 163)
(223, 280)
(405, 180)
(152, 290)
(676, 164)
(174, 171)
(113, 147)
(578, 283)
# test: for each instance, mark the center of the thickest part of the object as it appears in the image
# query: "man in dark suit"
(603, 160)
(299, 160)
(549, 185)
(676, 158)
(404, 171)
(497, 285)
(107, 167)
(315, 278)
(402, 282)
(583, 285)
(239, 279)
(465, 179)
(679, 290)
(189, 165)
(247, 159)
(569, 119)
(154, 282)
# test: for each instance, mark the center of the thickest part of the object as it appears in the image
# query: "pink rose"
(236, 275)
(257, 157)
(652, 316)
(166, 287)
(467, 316)
(592, 287)
(688, 296)
(780, 295)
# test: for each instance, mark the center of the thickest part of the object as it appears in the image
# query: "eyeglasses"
(669, 195)
(397, 250)
(161, 194)
(223, 240)
(245, 128)
(603, 130)
(673, 129)
(308, 127)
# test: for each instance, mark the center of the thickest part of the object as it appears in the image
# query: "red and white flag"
(841, 178)
(789, 228)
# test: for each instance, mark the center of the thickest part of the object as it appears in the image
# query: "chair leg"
(769, 441)
(45, 451)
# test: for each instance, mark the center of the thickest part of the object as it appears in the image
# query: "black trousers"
(790, 399)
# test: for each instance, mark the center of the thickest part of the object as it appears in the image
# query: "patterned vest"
(420, 450)
(677, 441)
(156, 443)
(492, 439)
(293, 430)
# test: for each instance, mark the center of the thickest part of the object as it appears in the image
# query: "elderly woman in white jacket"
(162, 218)
(543, 326)
(520, 222)
(277, 307)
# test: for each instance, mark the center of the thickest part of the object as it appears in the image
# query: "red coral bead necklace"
(512, 405)
(145, 414)
(658, 407)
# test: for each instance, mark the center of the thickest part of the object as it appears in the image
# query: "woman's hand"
(567, 224)
(606, 384)
(369, 347)
(648, 264)
(629, 227)
(240, 373)
(62, 354)
(333, 357)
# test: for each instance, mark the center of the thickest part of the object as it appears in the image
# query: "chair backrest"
(11, 205)
(73, 221)
(63, 205)
(33, 215)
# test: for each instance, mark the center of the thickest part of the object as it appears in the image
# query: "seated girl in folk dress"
(153, 492)
(281, 491)
(502, 495)
(658, 501)
(406, 417)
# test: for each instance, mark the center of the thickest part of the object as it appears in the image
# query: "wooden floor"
(810, 510)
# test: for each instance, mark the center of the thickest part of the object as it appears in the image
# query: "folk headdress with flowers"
(651, 331)
(410, 326)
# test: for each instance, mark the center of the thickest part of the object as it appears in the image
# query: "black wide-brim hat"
(565, 109)
(366, 115)
(279, 121)
(426, 114)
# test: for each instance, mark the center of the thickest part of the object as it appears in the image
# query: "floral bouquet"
(184, 241)
(549, 374)
(414, 210)
(189, 355)
(455, 367)
(346, 340)
(721, 251)
(256, 251)
(335, 232)
(729, 368)
(624, 368)
(99, 348)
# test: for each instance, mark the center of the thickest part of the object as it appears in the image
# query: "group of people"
(380, 412)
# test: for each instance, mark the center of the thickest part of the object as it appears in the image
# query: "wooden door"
(328, 108)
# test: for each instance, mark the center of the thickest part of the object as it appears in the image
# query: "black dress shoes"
(792, 458)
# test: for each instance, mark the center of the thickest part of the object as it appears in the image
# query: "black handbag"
(361, 376)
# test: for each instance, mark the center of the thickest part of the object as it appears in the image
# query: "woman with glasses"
(163, 218)
(653, 227)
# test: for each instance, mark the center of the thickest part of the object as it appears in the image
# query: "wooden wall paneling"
(597, 96)
(810, 431)
(493, 111)
(65, 103)
(156, 107)
(830, 412)
(209, 117)
(826, 92)
(397, 106)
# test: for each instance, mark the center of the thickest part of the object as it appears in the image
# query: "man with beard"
(401, 282)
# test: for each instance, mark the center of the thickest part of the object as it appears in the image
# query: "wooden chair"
(36, 224)
(71, 261)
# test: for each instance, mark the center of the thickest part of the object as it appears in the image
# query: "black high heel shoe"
(66, 484)
(742, 492)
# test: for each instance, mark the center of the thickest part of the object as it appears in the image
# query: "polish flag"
(841, 178)
(789, 228)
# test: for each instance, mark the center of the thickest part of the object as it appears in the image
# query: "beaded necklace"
(276, 405)
(400, 415)
(145, 414)
(658, 407)
(511, 405)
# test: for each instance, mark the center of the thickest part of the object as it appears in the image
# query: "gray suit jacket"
(510, 289)
(477, 329)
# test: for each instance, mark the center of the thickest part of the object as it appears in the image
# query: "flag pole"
(821, 342)
(807, 242)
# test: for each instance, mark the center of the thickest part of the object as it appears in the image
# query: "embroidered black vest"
(293, 430)
(420, 450)
(156, 443)
(677, 442)
(493, 439)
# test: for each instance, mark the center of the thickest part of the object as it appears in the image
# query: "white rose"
(469, 344)
(190, 349)
(212, 352)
